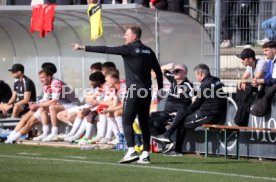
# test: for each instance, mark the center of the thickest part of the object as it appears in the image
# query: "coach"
(139, 60)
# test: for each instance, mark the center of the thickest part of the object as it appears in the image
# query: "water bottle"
(4, 133)
(138, 139)
(121, 144)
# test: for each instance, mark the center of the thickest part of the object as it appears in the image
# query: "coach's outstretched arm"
(124, 50)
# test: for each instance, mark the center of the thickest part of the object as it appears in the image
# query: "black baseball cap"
(17, 67)
(247, 53)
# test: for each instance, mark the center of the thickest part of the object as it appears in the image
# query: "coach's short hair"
(136, 30)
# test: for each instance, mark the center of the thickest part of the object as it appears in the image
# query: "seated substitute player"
(62, 97)
(24, 92)
(33, 116)
(75, 115)
(114, 106)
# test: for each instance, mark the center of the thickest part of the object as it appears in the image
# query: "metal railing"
(242, 26)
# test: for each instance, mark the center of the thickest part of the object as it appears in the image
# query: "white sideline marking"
(75, 157)
(139, 166)
(25, 153)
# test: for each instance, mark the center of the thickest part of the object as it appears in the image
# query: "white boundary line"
(139, 166)
(31, 154)
(75, 157)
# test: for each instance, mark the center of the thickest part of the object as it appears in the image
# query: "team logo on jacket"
(137, 50)
(143, 51)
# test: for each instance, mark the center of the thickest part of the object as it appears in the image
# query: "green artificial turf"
(33, 163)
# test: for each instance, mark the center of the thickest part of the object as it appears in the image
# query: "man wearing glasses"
(178, 97)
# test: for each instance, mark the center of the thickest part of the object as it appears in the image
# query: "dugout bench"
(8, 122)
(227, 132)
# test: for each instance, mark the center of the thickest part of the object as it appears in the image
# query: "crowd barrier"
(252, 143)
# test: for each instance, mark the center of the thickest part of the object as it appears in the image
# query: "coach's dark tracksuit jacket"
(138, 61)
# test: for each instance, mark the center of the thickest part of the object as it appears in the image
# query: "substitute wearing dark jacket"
(210, 102)
(208, 107)
(210, 97)
(178, 94)
(139, 60)
(179, 97)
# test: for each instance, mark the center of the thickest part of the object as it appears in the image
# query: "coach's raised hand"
(77, 47)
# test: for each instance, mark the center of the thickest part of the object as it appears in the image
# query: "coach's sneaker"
(51, 137)
(144, 160)
(40, 137)
(128, 158)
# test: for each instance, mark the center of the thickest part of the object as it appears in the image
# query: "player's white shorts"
(37, 115)
(78, 108)
(66, 106)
